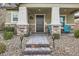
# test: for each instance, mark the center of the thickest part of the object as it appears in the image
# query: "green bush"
(56, 36)
(9, 29)
(8, 35)
(2, 48)
(76, 33)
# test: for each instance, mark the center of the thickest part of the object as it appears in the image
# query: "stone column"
(22, 24)
(55, 20)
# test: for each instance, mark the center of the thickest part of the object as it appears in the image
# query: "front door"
(39, 23)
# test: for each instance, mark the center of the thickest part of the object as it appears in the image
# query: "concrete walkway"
(37, 44)
(38, 39)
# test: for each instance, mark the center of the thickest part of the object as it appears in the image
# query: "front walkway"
(38, 39)
(37, 44)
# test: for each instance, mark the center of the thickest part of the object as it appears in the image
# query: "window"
(14, 17)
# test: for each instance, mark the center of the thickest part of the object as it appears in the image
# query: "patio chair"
(67, 28)
(49, 29)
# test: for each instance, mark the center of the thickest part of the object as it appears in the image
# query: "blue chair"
(67, 28)
(49, 28)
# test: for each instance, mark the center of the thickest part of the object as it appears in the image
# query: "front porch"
(26, 15)
(50, 17)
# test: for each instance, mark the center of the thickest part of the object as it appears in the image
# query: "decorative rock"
(12, 46)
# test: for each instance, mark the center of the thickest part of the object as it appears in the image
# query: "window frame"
(12, 15)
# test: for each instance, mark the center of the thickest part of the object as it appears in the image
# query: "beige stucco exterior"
(2, 18)
(8, 16)
(68, 20)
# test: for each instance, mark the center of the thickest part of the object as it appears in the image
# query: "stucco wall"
(48, 21)
(31, 23)
(70, 19)
(8, 16)
(2, 18)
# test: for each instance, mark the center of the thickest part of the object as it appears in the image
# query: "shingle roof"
(8, 5)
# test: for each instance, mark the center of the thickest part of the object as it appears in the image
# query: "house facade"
(37, 17)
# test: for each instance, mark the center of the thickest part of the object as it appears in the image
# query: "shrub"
(9, 29)
(56, 36)
(76, 33)
(8, 35)
(8, 32)
(2, 48)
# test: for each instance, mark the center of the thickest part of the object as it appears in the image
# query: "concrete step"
(37, 45)
(37, 40)
(37, 51)
(39, 33)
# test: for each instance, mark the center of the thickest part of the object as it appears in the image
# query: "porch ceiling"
(68, 10)
(48, 10)
(39, 10)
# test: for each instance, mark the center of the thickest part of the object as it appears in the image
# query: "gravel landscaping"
(13, 45)
(67, 45)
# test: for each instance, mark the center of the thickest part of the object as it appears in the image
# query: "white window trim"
(12, 13)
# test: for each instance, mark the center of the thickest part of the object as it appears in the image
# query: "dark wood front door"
(39, 23)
